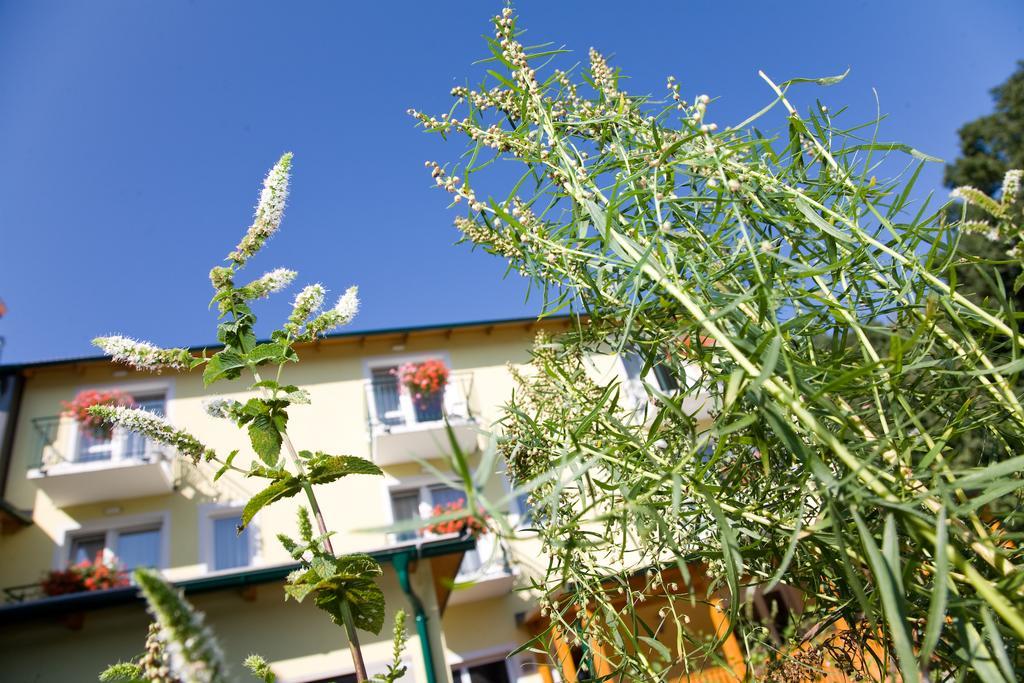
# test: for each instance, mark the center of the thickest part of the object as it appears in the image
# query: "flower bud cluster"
(269, 212)
(222, 408)
(602, 75)
(153, 427)
(268, 284)
(1011, 186)
(673, 88)
(307, 302)
(222, 277)
(192, 651)
(342, 314)
(143, 355)
(512, 50)
(451, 184)
(497, 97)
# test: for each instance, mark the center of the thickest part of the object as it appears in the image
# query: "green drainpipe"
(401, 563)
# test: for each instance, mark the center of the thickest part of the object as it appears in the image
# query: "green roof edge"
(92, 600)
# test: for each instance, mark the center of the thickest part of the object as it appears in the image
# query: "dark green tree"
(989, 147)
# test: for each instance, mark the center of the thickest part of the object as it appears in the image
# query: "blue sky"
(134, 136)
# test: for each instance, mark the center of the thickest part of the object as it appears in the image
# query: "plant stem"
(346, 613)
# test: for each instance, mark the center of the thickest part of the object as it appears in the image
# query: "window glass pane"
(139, 548)
(230, 548)
(492, 672)
(405, 505)
(384, 382)
(91, 447)
(666, 380)
(85, 548)
(443, 495)
(135, 444)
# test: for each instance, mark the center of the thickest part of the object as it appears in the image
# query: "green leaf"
(271, 352)
(940, 589)
(223, 365)
(266, 439)
(122, 672)
(226, 466)
(325, 468)
(824, 80)
(283, 488)
(348, 581)
(887, 580)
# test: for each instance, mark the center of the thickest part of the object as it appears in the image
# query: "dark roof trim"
(83, 602)
(14, 367)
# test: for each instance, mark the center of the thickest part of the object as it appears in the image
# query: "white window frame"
(422, 484)
(453, 393)
(112, 527)
(208, 512)
(487, 656)
(166, 387)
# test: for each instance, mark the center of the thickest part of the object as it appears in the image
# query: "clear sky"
(134, 136)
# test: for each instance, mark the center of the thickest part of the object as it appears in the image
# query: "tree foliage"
(990, 146)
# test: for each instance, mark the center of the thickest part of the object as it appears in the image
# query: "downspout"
(11, 387)
(401, 564)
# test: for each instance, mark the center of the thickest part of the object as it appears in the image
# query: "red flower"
(424, 380)
(84, 576)
(78, 408)
(474, 524)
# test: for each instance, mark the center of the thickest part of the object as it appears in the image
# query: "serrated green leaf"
(266, 439)
(223, 365)
(271, 352)
(325, 468)
(283, 488)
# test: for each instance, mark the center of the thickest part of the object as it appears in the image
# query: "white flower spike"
(269, 211)
(143, 355)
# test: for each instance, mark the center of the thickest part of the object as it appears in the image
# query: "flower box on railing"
(410, 406)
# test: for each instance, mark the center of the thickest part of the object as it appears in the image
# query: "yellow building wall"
(297, 639)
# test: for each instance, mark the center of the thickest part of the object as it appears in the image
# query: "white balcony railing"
(403, 429)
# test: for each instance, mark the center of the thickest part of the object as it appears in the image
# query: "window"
(419, 503)
(139, 548)
(131, 546)
(386, 395)
(392, 408)
(230, 548)
(119, 444)
(86, 548)
(221, 546)
(659, 375)
(491, 672)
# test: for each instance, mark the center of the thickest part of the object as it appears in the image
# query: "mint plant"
(344, 587)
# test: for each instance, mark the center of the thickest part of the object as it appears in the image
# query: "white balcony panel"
(485, 573)
(423, 440)
(77, 483)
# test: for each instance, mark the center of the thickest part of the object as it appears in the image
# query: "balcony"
(73, 467)
(403, 431)
(485, 572)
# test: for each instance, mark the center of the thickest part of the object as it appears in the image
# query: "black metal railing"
(60, 440)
